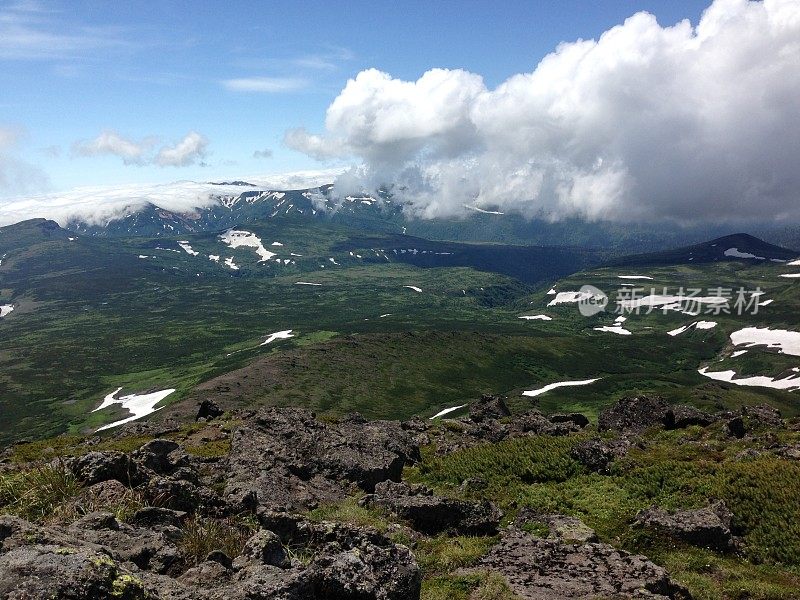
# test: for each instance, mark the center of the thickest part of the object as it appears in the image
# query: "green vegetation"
(38, 493)
(200, 536)
(674, 470)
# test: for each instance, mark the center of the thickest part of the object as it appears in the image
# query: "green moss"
(350, 512)
(128, 587)
(211, 449)
(441, 555)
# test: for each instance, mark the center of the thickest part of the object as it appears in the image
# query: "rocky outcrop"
(751, 419)
(634, 413)
(431, 514)
(708, 527)
(97, 467)
(287, 459)
(488, 408)
(538, 568)
(208, 410)
(98, 558)
(597, 455)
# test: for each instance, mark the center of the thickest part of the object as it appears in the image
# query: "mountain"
(244, 203)
(736, 247)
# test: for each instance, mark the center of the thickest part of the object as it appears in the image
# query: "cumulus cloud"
(188, 151)
(646, 122)
(98, 205)
(112, 143)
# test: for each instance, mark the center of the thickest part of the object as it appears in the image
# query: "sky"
(436, 95)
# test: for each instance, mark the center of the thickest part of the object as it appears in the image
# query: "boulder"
(681, 416)
(544, 569)
(488, 408)
(160, 456)
(431, 514)
(597, 455)
(635, 413)
(208, 410)
(97, 467)
(287, 459)
(265, 548)
(580, 421)
(708, 527)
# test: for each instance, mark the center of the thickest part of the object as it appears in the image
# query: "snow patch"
(552, 386)
(213, 257)
(305, 283)
(695, 325)
(616, 328)
(236, 238)
(734, 253)
(786, 342)
(484, 211)
(278, 335)
(536, 318)
(188, 248)
(140, 405)
(5, 309)
(790, 275)
(413, 287)
(229, 263)
(572, 297)
(788, 383)
(634, 277)
(442, 413)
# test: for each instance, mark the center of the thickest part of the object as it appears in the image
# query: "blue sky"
(240, 74)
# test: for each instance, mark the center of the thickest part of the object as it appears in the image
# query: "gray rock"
(286, 459)
(431, 514)
(635, 413)
(488, 408)
(597, 455)
(97, 467)
(681, 416)
(544, 569)
(265, 548)
(580, 421)
(708, 527)
(208, 410)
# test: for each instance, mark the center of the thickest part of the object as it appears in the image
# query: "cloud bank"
(98, 205)
(645, 123)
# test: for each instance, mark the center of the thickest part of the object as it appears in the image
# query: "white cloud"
(110, 142)
(16, 175)
(265, 153)
(33, 31)
(646, 122)
(270, 85)
(98, 205)
(186, 152)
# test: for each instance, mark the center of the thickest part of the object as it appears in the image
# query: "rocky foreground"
(229, 508)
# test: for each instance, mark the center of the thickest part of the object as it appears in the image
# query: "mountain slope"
(739, 246)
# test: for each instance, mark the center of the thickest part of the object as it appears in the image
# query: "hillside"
(739, 246)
